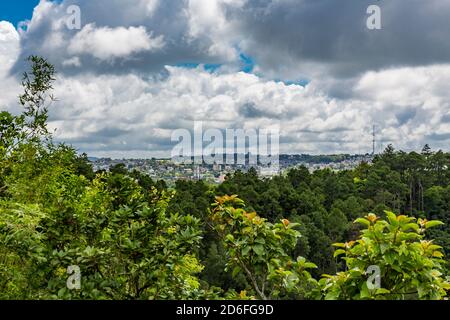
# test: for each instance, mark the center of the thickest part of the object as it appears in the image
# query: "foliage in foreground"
(409, 266)
(133, 239)
(261, 251)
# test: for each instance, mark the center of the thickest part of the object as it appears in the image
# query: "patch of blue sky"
(302, 82)
(210, 67)
(247, 63)
(17, 11)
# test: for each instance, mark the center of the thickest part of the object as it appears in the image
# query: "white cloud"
(74, 62)
(132, 35)
(406, 86)
(150, 6)
(207, 19)
(9, 45)
(144, 113)
(109, 43)
(9, 50)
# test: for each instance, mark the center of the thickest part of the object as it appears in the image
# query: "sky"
(17, 11)
(135, 71)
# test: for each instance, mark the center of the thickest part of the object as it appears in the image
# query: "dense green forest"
(297, 236)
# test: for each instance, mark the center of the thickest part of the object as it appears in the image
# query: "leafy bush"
(260, 250)
(410, 266)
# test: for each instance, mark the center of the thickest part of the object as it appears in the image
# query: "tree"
(37, 85)
(299, 176)
(27, 129)
(83, 166)
(260, 250)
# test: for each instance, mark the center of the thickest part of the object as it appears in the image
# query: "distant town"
(170, 171)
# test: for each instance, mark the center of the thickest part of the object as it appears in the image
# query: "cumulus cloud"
(9, 50)
(107, 43)
(123, 90)
(139, 35)
(138, 118)
(72, 62)
(413, 100)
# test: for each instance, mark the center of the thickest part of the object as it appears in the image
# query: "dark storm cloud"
(333, 34)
